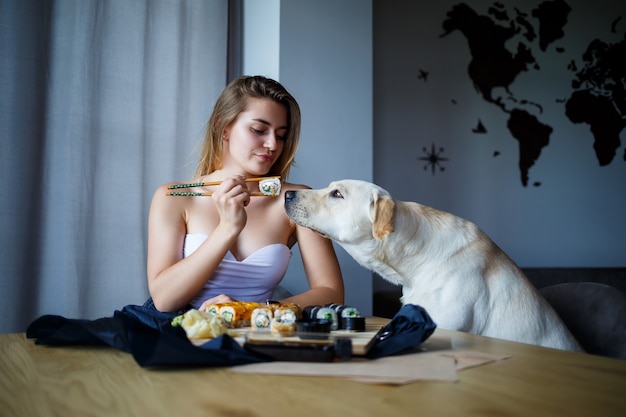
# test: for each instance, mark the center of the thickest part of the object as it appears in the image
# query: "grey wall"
(325, 61)
(576, 216)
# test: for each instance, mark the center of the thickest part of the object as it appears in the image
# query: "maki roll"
(213, 309)
(310, 311)
(284, 321)
(297, 310)
(349, 312)
(232, 314)
(237, 313)
(327, 313)
(348, 318)
(261, 319)
(270, 186)
(356, 324)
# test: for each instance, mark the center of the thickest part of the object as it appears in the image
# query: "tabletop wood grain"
(100, 381)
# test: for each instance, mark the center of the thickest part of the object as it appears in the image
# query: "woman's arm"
(322, 270)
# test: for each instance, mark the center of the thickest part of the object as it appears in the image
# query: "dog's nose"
(290, 195)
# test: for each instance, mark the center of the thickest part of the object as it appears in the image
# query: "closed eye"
(261, 132)
(336, 194)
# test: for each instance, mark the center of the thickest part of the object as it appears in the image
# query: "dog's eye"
(336, 194)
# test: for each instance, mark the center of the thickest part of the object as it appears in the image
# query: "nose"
(290, 195)
(270, 141)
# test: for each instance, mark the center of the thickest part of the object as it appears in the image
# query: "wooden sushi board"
(360, 340)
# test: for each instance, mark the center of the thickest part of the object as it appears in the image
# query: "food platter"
(302, 345)
(284, 331)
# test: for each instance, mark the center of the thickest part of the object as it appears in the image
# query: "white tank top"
(252, 279)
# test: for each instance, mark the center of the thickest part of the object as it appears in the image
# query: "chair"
(386, 303)
(595, 314)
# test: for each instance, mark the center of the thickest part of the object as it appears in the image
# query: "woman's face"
(255, 140)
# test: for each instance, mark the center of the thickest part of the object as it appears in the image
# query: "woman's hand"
(231, 198)
(220, 299)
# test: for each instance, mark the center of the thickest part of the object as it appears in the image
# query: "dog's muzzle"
(290, 201)
(293, 208)
(297, 211)
(290, 196)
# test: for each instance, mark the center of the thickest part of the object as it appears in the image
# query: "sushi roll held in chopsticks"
(270, 186)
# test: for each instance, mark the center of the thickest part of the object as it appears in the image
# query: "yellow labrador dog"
(443, 263)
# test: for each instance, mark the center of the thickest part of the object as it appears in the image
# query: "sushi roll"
(347, 311)
(237, 313)
(261, 319)
(327, 313)
(338, 309)
(356, 324)
(213, 309)
(348, 318)
(313, 328)
(284, 321)
(297, 310)
(231, 313)
(270, 186)
(310, 311)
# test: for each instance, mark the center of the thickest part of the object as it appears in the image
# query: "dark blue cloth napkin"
(145, 333)
(409, 328)
(148, 335)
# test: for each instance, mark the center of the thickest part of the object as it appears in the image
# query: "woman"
(233, 245)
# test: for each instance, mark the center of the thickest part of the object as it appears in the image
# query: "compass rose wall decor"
(433, 158)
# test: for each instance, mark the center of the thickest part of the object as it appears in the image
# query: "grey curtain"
(100, 102)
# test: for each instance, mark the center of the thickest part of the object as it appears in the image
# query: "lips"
(266, 158)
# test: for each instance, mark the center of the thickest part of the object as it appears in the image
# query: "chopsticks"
(269, 186)
(200, 194)
(206, 184)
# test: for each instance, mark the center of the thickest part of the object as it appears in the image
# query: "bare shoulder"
(163, 191)
(163, 201)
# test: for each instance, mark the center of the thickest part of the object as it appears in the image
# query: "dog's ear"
(382, 223)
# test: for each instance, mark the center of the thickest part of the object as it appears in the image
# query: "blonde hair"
(230, 104)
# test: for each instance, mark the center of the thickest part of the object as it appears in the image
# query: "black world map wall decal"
(506, 42)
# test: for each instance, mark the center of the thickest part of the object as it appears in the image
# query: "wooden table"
(96, 381)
